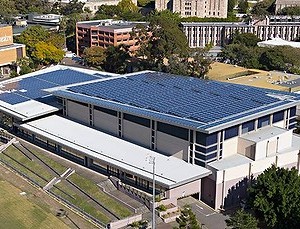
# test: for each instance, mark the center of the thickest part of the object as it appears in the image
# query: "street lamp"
(151, 160)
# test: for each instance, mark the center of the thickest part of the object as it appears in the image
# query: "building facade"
(105, 33)
(195, 8)
(280, 4)
(9, 51)
(93, 5)
(200, 34)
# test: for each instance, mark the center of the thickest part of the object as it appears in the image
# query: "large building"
(208, 138)
(195, 8)
(93, 5)
(280, 4)
(200, 34)
(105, 33)
(9, 52)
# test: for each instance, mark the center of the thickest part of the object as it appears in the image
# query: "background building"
(280, 4)
(195, 8)
(9, 51)
(200, 34)
(93, 5)
(104, 33)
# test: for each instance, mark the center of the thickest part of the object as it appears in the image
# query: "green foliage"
(247, 39)
(242, 220)
(94, 56)
(38, 6)
(117, 59)
(143, 3)
(275, 197)
(264, 7)
(161, 208)
(231, 5)
(73, 7)
(127, 5)
(292, 10)
(46, 54)
(187, 219)
(243, 6)
(7, 8)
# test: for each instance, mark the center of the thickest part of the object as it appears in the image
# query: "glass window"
(201, 163)
(105, 110)
(247, 127)
(264, 121)
(175, 131)
(231, 132)
(278, 116)
(137, 120)
(292, 111)
(205, 139)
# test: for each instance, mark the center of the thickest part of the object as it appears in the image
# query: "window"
(231, 132)
(175, 131)
(247, 127)
(278, 116)
(201, 163)
(105, 110)
(205, 139)
(292, 111)
(137, 120)
(205, 150)
(264, 121)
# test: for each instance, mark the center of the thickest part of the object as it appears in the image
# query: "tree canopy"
(94, 56)
(247, 39)
(292, 11)
(275, 197)
(46, 54)
(187, 219)
(242, 220)
(264, 7)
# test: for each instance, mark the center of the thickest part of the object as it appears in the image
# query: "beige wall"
(246, 148)
(106, 122)
(6, 35)
(172, 146)
(78, 112)
(184, 190)
(136, 133)
(230, 147)
(8, 56)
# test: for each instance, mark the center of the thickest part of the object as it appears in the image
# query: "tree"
(73, 7)
(275, 197)
(38, 6)
(127, 5)
(117, 59)
(242, 220)
(231, 5)
(292, 10)
(46, 54)
(247, 39)
(7, 8)
(187, 219)
(94, 56)
(264, 7)
(243, 6)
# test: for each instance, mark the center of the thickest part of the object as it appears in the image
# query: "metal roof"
(170, 171)
(185, 101)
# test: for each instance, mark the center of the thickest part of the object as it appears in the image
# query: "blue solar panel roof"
(197, 103)
(32, 87)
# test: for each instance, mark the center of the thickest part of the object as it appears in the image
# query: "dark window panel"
(175, 131)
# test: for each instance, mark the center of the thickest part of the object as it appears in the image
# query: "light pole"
(152, 161)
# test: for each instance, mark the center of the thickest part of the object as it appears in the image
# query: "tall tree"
(117, 59)
(94, 56)
(187, 219)
(46, 54)
(292, 10)
(243, 6)
(264, 7)
(275, 197)
(73, 7)
(127, 5)
(242, 220)
(247, 39)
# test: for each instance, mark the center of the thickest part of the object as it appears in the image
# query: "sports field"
(18, 212)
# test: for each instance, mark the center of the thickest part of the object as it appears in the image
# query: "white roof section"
(278, 42)
(263, 134)
(28, 109)
(230, 162)
(170, 171)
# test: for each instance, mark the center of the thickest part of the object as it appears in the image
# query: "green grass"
(18, 212)
(18, 156)
(92, 189)
(80, 202)
(52, 163)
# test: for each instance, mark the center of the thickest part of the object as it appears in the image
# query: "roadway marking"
(206, 215)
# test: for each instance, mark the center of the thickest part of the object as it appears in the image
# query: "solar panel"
(184, 97)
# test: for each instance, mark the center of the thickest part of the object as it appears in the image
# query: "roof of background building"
(23, 97)
(277, 41)
(113, 24)
(185, 101)
(288, 2)
(170, 171)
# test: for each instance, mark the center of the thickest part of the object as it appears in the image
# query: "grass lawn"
(93, 190)
(18, 156)
(18, 212)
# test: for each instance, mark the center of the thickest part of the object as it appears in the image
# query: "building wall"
(184, 190)
(78, 112)
(8, 56)
(106, 122)
(195, 8)
(230, 147)
(136, 133)
(172, 146)
(6, 35)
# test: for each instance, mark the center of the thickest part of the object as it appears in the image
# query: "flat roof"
(113, 24)
(230, 162)
(170, 171)
(263, 133)
(17, 93)
(204, 105)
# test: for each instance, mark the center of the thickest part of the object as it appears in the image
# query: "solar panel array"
(185, 97)
(31, 87)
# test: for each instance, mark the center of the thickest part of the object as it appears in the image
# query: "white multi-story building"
(280, 4)
(195, 8)
(200, 34)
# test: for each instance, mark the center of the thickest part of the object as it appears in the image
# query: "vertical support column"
(91, 114)
(120, 124)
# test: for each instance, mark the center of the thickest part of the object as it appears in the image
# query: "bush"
(161, 208)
